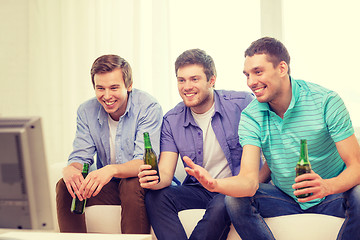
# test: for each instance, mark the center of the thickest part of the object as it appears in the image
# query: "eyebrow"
(253, 69)
(193, 76)
(114, 85)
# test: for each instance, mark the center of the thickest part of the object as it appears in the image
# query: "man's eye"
(180, 80)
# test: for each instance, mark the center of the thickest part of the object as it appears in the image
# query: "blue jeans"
(163, 206)
(247, 214)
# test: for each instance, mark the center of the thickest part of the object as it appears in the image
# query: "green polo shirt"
(316, 114)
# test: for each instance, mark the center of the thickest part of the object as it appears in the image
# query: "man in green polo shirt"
(285, 111)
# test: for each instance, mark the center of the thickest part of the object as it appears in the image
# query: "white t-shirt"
(214, 158)
(112, 133)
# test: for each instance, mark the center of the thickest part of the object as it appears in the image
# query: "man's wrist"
(113, 169)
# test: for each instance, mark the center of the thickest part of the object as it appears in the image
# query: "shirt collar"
(295, 93)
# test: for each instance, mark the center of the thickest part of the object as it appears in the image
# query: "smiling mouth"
(258, 90)
(189, 94)
(109, 103)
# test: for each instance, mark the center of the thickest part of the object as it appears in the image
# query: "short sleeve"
(337, 118)
(249, 130)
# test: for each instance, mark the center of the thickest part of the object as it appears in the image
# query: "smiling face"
(265, 80)
(111, 92)
(196, 92)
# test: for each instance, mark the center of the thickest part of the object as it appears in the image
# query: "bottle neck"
(147, 143)
(85, 168)
(304, 151)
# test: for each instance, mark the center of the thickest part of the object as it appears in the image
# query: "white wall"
(47, 48)
(13, 57)
(323, 40)
(55, 42)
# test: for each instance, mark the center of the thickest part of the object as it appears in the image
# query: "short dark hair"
(108, 63)
(197, 56)
(273, 48)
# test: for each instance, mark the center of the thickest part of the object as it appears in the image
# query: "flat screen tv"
(25, 201)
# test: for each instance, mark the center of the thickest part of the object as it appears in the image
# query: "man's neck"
(281, 104)
(205, 105)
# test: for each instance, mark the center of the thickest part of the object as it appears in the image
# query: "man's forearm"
(126, 170)
(237, 186)
(349, 178)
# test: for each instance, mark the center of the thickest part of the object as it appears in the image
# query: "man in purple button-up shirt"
(204, 127)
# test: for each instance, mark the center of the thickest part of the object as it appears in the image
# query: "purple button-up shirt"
(181, 134)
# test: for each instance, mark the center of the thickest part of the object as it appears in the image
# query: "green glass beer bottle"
(78, 206)
(149, 155)
(303, 165)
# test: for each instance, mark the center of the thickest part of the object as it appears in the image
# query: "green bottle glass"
(149, 155)
(303, 165)
(78, 206)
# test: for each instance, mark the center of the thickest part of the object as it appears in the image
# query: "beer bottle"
(303, 165)
(78, 206)
(150, 156)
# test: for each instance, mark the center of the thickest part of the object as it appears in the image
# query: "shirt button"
(199, 152)
(199, 133)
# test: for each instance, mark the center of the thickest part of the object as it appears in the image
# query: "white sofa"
(106, 219)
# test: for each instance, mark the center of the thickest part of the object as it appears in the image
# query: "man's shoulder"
(228, 99)
(89, 105)
(315, 93)
(178, 110)
(313, 88)
(141, 97)
(233, 95)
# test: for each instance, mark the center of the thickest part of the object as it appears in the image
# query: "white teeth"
(109, 103)
(189, 94)
(258, 90)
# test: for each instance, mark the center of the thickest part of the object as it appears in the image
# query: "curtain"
(66, 36)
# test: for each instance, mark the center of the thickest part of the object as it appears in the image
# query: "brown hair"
(274, 49)
(197, 56)
(108, 63)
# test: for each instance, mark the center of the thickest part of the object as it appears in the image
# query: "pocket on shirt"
(189, 154)
(235, 148)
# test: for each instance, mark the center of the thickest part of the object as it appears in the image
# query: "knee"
(218, 204)
(216, 210)
(353, 196)
(61, 187)
(132, 185)
(131, 191)
(235, 206)
(154, 196)
(162, 197)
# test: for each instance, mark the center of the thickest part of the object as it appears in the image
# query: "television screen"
(25, 201)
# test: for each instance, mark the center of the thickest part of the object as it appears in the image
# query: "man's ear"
(212, 81)
(283, 68)
(129, 88)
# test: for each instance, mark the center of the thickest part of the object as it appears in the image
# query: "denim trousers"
(126, 192)
(247, 214)
(163, 206)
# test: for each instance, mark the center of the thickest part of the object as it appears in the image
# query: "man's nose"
(107, 94)
(251, 81)
(188, 85)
